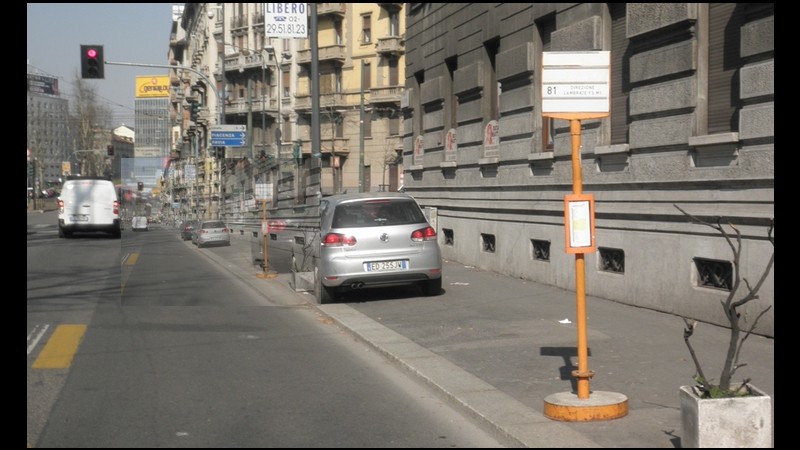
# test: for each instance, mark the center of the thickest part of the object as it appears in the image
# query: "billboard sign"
(286, 20)
(153, 86)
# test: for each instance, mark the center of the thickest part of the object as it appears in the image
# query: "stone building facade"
(690, 124)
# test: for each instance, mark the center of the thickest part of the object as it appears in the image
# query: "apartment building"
(266, 89)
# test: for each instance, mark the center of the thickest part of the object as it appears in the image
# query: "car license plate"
(79, 218)
(385, 266)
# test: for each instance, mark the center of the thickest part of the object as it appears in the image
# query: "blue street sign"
(228, 138)
(228, 142)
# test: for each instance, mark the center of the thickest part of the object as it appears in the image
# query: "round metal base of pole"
(267, 275)
(567, 407)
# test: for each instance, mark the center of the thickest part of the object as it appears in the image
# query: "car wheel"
(322, 294)
(432, 287)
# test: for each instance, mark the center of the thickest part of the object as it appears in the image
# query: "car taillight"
(423, 234)
(116, 206)
(337, 240)
(61, 205)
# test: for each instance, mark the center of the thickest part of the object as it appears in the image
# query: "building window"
(286, 84)
(394, 23)
(714, 274)
(545, 27)
(620, 87)
(394, 126)
(548, 133)
(487, 242)
(366, 76)
(452, 99)
(366, 29)
(447, 234)
(367, 124)
(611, 260)
(337, 28)
(540, 250)
(724, 62)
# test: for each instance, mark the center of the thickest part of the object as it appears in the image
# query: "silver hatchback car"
(375, 240)
(211, 232)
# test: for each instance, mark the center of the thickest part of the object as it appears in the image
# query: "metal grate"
(488, 242)
(612, 260)
(448, 236)
(541, 250)
(714, 274)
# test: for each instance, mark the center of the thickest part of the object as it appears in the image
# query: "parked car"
(211, 232)
(88, 204)
(139, 223)
(375, 239)
(187, 228)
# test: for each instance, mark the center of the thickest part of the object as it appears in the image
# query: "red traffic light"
(92, 62)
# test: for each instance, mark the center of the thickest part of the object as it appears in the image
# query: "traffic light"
(194, 109)
(297, 152)
(92, 63)
(140, 186)
(30, 169)
(110, 150)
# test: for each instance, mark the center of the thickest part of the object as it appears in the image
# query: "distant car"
(139, 223)
(375, 240)
(211, 232)
(187, 228)
(88, 204)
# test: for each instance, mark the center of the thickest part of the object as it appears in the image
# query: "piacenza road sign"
(228, 135)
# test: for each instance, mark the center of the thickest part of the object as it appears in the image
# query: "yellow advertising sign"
(152, 86)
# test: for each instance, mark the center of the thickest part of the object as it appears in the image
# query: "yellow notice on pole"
(579, 220)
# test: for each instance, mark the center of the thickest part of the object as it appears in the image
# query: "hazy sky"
(129, 33)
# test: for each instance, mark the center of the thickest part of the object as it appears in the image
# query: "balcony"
(338, 9)
(244, 60)
(331, 53)
(241, 106)
(238, 22)
(387, 94)
(391, 6)
(390, 45)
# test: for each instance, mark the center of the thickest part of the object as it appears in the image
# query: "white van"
(139, 223)
(88, 204)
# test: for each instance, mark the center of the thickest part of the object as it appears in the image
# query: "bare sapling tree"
(90, 122)
(732, 306)
(389, 156)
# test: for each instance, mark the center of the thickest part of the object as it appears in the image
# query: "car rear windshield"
(217, 224)
(372, 213)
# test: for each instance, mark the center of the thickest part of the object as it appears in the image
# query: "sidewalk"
(498, 346)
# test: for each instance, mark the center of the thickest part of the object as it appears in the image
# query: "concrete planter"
(302, 281)
(725, 422)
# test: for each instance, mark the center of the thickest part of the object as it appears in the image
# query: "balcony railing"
(242, 106)
(242, 61)
(331, 53)
(339, 9)
(386, 94)
(392, 45)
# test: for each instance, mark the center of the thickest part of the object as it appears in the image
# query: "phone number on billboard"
(286, 28)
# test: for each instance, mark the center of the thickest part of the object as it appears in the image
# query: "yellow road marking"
(131, 259)
(60, 348)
